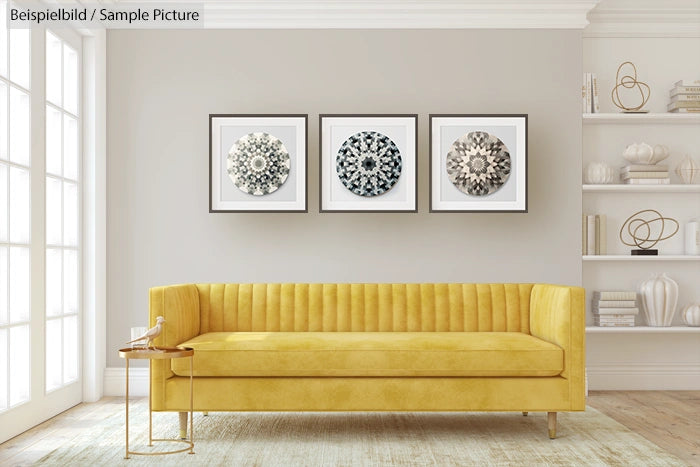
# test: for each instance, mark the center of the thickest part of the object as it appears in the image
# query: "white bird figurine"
(152, 333)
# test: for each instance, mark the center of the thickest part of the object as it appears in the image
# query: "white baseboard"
(601, 376)
(629, 376)
(115, 383)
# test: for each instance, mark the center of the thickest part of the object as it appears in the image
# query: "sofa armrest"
(179, 305)
(557, 315)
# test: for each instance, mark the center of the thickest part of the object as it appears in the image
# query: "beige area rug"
(357, 439)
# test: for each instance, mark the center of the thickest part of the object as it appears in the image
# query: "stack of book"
(685, 96)
(595, 232)
(614, 309)
(589, 94)
(645, 174)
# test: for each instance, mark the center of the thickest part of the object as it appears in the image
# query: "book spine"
(614, 325)
(597, 235)
(596, 104)
(687, 82)
(616, 311)
(685, 111)
(628, 175)
(644, 168)
(683, 105)
(685, 90)
(627, 317)
(617, 303)
(583, 94)
(686, 98)
(648, 181)
(589, 94)
(591, 235)
(603, 238)
(615, 295)
(584, 235)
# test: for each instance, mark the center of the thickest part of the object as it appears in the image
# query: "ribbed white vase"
(659, 298)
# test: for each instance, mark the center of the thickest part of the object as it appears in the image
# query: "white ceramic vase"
(599, 173)
(688, 170)
(659, 297)
(691, 314)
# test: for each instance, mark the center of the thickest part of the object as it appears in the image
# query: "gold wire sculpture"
(645, 240)
(629, 81)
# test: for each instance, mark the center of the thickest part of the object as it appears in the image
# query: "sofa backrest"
(364, 307)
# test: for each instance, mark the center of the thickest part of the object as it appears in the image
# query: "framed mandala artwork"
(368, 163)
(257, 163)
(478, 163)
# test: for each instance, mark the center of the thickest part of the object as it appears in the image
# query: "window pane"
(3, 203)
(70, 349)
(53, 69)
(70, 281)
(3, 38)
(19, 127)
(70, 80)
(70, 214)
(3, 286)
(54, 213)
(70, 147)
(53, 141)
(19, 284)
(19, 205)
(4, 358)
(19, 57)
(54, 283)
(19, 364)
(53, 354)
(4, 112)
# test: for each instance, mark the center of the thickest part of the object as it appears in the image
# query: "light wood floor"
(670, 419)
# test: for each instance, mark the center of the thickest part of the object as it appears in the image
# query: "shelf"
(619, 188)
(643, 330)
(621, 118)
(640, 258)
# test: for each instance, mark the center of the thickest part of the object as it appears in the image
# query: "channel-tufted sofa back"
(364, 307)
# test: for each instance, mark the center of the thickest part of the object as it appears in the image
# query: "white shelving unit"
(641, 258)
(635, 119)
(619, 188)
(643, 330)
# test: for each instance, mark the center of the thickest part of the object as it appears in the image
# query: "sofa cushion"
(370, 354)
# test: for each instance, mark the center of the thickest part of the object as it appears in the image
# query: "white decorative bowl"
(691, 314)
(599, 173)
(642, 153)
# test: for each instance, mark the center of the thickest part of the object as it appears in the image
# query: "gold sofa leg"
(525, 414)
(183, 425)
(552, 424)
(206, 414)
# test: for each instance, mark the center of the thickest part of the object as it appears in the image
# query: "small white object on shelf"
(687, 170)
(691, 314)
(599, 173)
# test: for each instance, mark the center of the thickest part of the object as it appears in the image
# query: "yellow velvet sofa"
(372, 347)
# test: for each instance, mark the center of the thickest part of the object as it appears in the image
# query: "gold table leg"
(191, 405)
(127, 409)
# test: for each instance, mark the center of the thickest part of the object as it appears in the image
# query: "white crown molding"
(391, 14)
(644, 18)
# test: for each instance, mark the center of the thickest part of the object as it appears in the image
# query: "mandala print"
(258, 164)
(478, 163)
(368, 163)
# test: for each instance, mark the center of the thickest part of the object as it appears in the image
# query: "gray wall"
(163, 84)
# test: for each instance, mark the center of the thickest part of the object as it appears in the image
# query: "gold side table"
(158, 353)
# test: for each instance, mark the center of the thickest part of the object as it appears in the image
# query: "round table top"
(157, 353)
